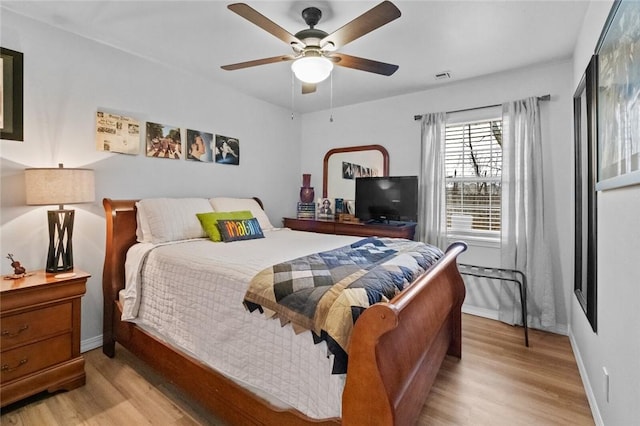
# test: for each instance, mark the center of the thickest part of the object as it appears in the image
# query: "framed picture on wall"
(117, 133)
(11, 94)
(163, 141)
(199, 146)
(347, 170)
(585, 132)
(227, 150)
(618, 52)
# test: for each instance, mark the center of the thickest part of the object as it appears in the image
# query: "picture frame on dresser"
(11, 95)
(325, 209)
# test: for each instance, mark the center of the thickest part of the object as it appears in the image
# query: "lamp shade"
(59, 186)
(312, 69)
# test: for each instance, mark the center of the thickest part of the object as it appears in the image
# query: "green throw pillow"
(209, 221)
(240, 229)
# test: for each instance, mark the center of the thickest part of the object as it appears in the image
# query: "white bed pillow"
(171, 219)
(225, 204)
(143, 233)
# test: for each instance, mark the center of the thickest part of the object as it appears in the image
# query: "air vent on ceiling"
(444, 75)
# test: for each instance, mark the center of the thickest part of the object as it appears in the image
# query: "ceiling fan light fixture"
(312, 69)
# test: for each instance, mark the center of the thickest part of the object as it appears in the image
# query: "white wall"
(67, 78)
(616, 345)
(390, 123)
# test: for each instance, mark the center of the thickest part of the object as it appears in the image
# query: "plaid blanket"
(326, 292)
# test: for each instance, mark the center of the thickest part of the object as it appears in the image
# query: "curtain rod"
(540, 98)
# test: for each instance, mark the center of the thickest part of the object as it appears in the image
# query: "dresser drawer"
(34, 325)
(37, 356)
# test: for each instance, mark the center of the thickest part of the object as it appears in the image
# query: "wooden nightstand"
(40, 335)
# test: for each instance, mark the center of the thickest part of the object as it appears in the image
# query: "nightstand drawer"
(35, 325)
(37, 356)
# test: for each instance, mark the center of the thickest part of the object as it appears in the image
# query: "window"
(473, 178)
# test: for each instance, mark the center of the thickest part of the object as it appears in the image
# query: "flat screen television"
(388, 198)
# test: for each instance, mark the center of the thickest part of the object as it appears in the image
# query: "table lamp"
(50, 186)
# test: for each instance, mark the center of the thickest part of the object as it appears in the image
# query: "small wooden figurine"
(17, 268)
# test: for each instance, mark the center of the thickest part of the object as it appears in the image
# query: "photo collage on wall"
(352, 171)
(121, 134)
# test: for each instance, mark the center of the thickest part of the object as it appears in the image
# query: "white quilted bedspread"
(192, 297)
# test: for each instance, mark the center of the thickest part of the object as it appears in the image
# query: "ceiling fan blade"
(264, 61)
(252, 15)
(308, 88)
(380, 15)
(363, 64)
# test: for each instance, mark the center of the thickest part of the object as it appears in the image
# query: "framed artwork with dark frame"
(585, 134)
(618, 51)
(11, 94)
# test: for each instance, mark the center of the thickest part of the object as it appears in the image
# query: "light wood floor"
(498, 382)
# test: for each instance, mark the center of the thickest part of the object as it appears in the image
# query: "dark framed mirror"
(585, 135)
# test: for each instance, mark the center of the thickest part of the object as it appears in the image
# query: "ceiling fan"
(314, 51)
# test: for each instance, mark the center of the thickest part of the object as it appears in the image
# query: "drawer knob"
(7, 333)
(7, 368)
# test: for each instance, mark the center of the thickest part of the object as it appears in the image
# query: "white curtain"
(431, 198)
(523, 240)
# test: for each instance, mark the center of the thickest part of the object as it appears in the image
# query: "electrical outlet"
(606, 383)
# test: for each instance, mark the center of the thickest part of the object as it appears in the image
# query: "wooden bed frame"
(395, 352)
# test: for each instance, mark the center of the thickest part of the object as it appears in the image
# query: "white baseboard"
(591, 397)
(494, 315)
(91, 343)
(480, 312)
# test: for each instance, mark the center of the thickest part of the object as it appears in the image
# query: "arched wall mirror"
(343, 165)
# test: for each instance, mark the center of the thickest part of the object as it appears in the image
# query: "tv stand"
(365, 229)
(377, 221)
(387, 222)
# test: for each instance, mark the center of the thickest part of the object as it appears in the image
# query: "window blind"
(473, 170)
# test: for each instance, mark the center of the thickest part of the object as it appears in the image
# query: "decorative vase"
(306, 191)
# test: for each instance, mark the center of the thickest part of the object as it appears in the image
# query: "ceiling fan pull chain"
(331, 101)
(293, 83)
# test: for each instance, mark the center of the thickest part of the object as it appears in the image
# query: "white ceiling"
(467, 38)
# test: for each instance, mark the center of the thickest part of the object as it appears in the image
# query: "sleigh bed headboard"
(121, 234)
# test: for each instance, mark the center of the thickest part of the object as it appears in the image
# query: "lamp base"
(64, 276)
(60, 255)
